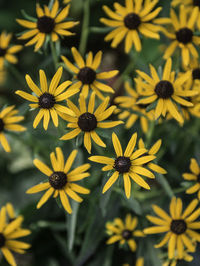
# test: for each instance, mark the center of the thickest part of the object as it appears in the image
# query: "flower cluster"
(85, 97)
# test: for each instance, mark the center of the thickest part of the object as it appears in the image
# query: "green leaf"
(71, 224)
(164, 183)
(25, 15)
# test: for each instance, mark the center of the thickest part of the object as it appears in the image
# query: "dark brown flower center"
(2, 52)
(164, 89)
(87, 122)
(122, 164)
(1, 125)
(2, 240)
(86, 75)
(196, 3)
(196, 73)
(46, 101)
(178, 227)
(126, 234)
(132, 21)
(45, 24)
(58, 180)
(184, 35)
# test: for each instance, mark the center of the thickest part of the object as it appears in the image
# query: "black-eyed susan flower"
(152, 151)
(61, 179)
(139, 262)
(182, 34)
(124, 231)
(166, 91)
(176, 261)
(8, 235)
(46, 98)
(85, 73)
(9, 122)
(87, 121)
(189, 4)
(131, 111)
(194, 176)
(6, 51)
(48, 23)
(128, 21)
(128, 164)
(180, 228)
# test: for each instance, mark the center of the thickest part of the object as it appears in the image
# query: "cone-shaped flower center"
(164, 89)
(45, 24)
(122, 164)
(196, 3)
(184, 35)
(132, 21)
(86, 75)
(58, 180)
(126, 234)
(1, 125)
(87, 122)
(2, 240)
(46, 101)
(178, 227)
(2, 52)
(196, 73)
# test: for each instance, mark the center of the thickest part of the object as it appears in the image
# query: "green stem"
(14, 71)
(54, 54)
(149, 134)
(85, 28)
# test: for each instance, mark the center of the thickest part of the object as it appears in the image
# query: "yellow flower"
(128, 164)
(124, 232)
(8, 121)
(86, 75)
(49, 22)
(194, 176)
(61, 179)
(47, 99)
(166, 92)
(136, 17)
(152, 151)
(182, 34)
(180, 227)
(87, 120)
(131, 110)
(8, 234)
(189, 4)
(7, 52)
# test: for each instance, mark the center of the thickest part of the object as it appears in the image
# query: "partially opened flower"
(87, 121)
(131, 111)
(194, 177)
(9, 122)
(7, 52)
(128, 164)
(166, 91)
(190, 5)
(8, 235)
(128, 21)
(61, 179)
(86, 74)
(180, 227)
(124, 231)
(152, 151)
(48, 23)
(182, 34)
(46, 98)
